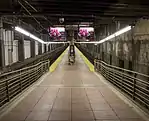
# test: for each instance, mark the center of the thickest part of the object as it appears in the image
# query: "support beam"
(45, 48)
(21, 55)
(32, 48)
(49, 48)
(2, 51)
(39, 48)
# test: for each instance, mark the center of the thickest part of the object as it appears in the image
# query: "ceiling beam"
(109, 2)
(41, 14)
(95, 6)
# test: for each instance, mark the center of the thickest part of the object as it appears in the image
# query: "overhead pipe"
(31, 15)
(36, 10)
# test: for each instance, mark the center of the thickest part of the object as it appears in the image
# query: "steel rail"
(13, 83)
(133, 84)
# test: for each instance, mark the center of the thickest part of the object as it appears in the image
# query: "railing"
(134, 84)
(53, 54)
(14, 82)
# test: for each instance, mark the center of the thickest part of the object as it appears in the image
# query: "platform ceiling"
(48, 12)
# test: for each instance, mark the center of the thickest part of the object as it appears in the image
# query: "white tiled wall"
(11, 48)
(8, 45)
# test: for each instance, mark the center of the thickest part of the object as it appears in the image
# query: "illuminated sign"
(57, 33)
(86, 33)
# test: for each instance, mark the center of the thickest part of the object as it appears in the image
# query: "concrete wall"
(141, 37)
(130, 48)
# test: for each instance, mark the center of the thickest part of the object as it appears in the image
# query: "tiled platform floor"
(72, 93)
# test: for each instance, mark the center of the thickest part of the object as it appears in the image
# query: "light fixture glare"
(22, 31)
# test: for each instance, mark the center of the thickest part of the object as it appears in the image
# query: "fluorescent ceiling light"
(116, 34)
(82, 25)
(60, 29)
(28, 34)
(34, 37)
(122, 31)
(93, 42)
(56, 42)
(110, 37)
(87, 28)
(22, 31)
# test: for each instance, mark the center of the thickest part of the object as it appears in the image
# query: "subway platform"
(70, 93)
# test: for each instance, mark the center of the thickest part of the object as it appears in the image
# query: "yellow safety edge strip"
(87, 62)
(58, 60)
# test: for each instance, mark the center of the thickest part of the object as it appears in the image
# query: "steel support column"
(45, 48)
(49, 48)
(133, 52)
(39, 48)
(2, 50)
(21, 48)
(32, 48)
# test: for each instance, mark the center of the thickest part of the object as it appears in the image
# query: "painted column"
(36, 48)
(39, 48)
(49, 47)
(32, 48)
(21, 48)
(2, 51)
(45, 48)
(27, 48)
(42, 48)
